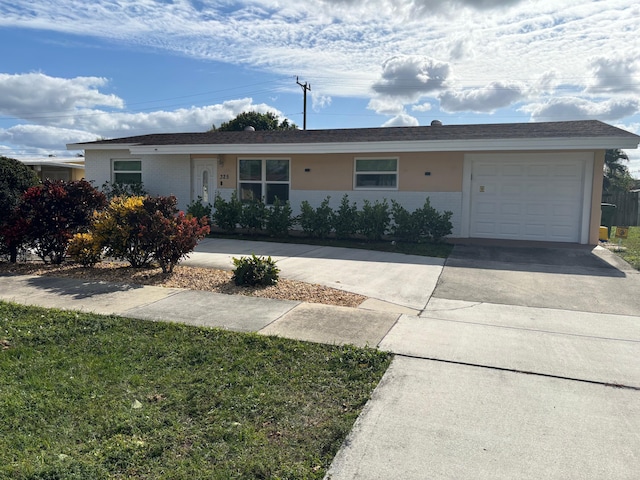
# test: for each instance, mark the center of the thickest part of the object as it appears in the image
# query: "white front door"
(203, 181)
(529, 197)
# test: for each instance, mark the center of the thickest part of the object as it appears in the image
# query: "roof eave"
(100, 146)
(578, 143)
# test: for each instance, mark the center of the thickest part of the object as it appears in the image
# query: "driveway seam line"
(525, 372)
(535, 330)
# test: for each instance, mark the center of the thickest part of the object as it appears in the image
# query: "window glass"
(372, 180)
(127, 171)
(205, 186)
(277, 170)
(128, 178)
(127, 165)
(250, 191)
(264, 179)
(251, 170)
(376, 165)
(279, 190)
(376, 173)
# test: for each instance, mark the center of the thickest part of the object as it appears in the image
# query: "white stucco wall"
(161, 175)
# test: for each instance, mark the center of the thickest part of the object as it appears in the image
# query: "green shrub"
(374, 219)
(226, 215)
(441, 226)
(252, 271)
(15, 179)
(198, 209)
(406, 226)
(316, 222)
(423, 224)
(118, 189)
(345, 221)
(279, 219)
(253, 216)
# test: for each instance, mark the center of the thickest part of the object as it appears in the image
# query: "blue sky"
(78, 70)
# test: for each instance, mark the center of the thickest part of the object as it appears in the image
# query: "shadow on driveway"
(78, 289)
(575, 260)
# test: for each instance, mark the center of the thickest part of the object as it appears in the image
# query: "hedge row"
(373, 221)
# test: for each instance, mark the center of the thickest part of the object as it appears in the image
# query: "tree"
(616, 175)
(259, 121)
(15, 179)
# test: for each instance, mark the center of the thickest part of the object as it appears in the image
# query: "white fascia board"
(587, 143)
(98, 146)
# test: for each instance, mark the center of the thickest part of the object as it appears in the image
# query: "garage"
(537, 197)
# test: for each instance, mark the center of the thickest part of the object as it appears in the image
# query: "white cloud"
(409, 77)
(47, 138)
(425, 107)
(615, 75)
(575, 108)
(38, 96)
(487, 99)
(386, 106)
(88, 125)
(402, 120)
(319, 101)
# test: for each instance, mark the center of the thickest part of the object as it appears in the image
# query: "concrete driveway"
(578, 278)
(392, 278)
(524, 364)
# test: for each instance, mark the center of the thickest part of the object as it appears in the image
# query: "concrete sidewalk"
(483, 384)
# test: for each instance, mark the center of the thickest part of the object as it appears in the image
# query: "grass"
(425, 249)
(90, 396)
(631, 244)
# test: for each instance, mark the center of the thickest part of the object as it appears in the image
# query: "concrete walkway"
(489, 381)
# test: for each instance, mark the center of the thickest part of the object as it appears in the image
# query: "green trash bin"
(607, 212)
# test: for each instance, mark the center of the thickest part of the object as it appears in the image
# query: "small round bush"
(255, 271)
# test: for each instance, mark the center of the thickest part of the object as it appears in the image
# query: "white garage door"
(527, 197)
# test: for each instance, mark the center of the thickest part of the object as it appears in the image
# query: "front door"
(204, 180)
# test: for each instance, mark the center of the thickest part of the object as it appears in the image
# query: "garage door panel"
(509, 228)
(510, 208)
(536, 199)
(511, 189)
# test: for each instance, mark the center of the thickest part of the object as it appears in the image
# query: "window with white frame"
(263, 178)
(376, 173)
(126, 171)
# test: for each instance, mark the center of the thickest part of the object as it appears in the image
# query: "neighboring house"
(529, 181)
(53, 168)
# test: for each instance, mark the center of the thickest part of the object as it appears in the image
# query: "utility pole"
(305, 87)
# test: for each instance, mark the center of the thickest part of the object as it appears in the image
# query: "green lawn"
(631, 246)
(85, 396)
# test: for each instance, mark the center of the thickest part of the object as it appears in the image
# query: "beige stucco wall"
(335, 171)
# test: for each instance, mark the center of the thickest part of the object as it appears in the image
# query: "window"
(127, 171)
(263, 179)
(376, 173)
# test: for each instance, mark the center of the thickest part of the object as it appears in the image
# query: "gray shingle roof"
(569, 129)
